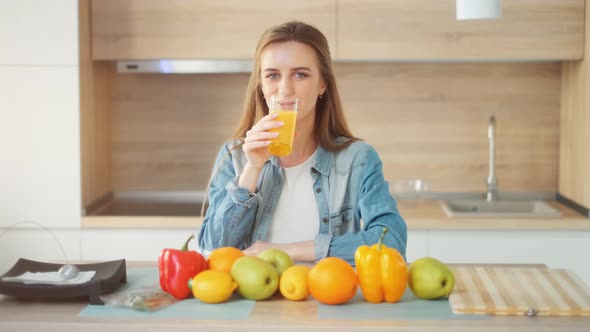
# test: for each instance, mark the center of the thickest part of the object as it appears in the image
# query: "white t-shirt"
(296, 217)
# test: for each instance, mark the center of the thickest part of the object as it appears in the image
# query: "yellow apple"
(293, 283)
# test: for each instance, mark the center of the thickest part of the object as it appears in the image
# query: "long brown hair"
(330, 121)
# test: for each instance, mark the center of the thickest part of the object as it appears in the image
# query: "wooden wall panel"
(574, 159)
(95, 121)
(427, 29)
(427, 121)
(167, 129)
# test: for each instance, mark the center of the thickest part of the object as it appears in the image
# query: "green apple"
(256, 278)
(430, 278)
(278, 258)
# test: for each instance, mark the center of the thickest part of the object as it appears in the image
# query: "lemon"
(293, 283)
(211, 286)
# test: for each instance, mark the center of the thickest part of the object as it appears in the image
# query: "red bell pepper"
(177, 267)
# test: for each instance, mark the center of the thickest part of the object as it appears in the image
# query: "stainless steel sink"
(491, 206)
(498, 209)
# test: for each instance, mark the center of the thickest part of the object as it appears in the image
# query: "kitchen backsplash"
(427, 121)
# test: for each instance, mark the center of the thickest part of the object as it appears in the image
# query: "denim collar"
(322, 161)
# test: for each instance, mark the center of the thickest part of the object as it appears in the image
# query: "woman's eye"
(272, 75)
(300, 75)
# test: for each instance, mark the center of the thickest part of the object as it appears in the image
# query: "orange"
(332, 281)
(221, 259)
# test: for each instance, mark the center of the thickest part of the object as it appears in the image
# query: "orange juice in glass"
(282, 145)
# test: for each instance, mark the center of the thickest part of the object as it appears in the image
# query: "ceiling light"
(478, 9)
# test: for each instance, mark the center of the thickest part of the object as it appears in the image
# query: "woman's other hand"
(298, 251)
(258, 247)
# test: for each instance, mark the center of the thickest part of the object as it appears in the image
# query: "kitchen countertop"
(274, 314)
(428, 215)
(419, 214)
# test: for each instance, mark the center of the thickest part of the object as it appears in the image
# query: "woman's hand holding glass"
(258, 139)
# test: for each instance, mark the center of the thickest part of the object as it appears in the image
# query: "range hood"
(164, 66)
(216, 66)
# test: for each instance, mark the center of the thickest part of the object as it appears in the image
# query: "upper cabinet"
(391, 30)
(427, 30)
(207, 29)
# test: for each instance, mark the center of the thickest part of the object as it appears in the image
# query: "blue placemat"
(408, 308)
(234, 309)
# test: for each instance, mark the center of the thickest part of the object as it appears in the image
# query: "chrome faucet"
(492, 190)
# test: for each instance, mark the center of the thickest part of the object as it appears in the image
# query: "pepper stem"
(185, 246)
(380, 243)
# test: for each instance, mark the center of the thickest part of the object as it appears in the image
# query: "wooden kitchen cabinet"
(574, 147)
(357, 30)
(144, 133)
(428, 30)
(148, 29)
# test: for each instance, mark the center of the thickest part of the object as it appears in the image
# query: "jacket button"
(319, 190)
(325, 220)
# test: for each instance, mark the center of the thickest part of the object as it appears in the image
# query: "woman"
(311, 202)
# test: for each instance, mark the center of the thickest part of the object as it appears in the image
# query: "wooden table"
(273, 314)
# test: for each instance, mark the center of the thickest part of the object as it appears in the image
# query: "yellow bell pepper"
(381, 272)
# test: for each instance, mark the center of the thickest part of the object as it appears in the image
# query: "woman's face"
(292, 69)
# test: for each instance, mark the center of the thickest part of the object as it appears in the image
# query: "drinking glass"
(286, 108)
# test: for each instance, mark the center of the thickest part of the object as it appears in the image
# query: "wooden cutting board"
(519, 291)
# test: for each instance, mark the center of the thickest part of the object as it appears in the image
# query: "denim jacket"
(353, 200)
